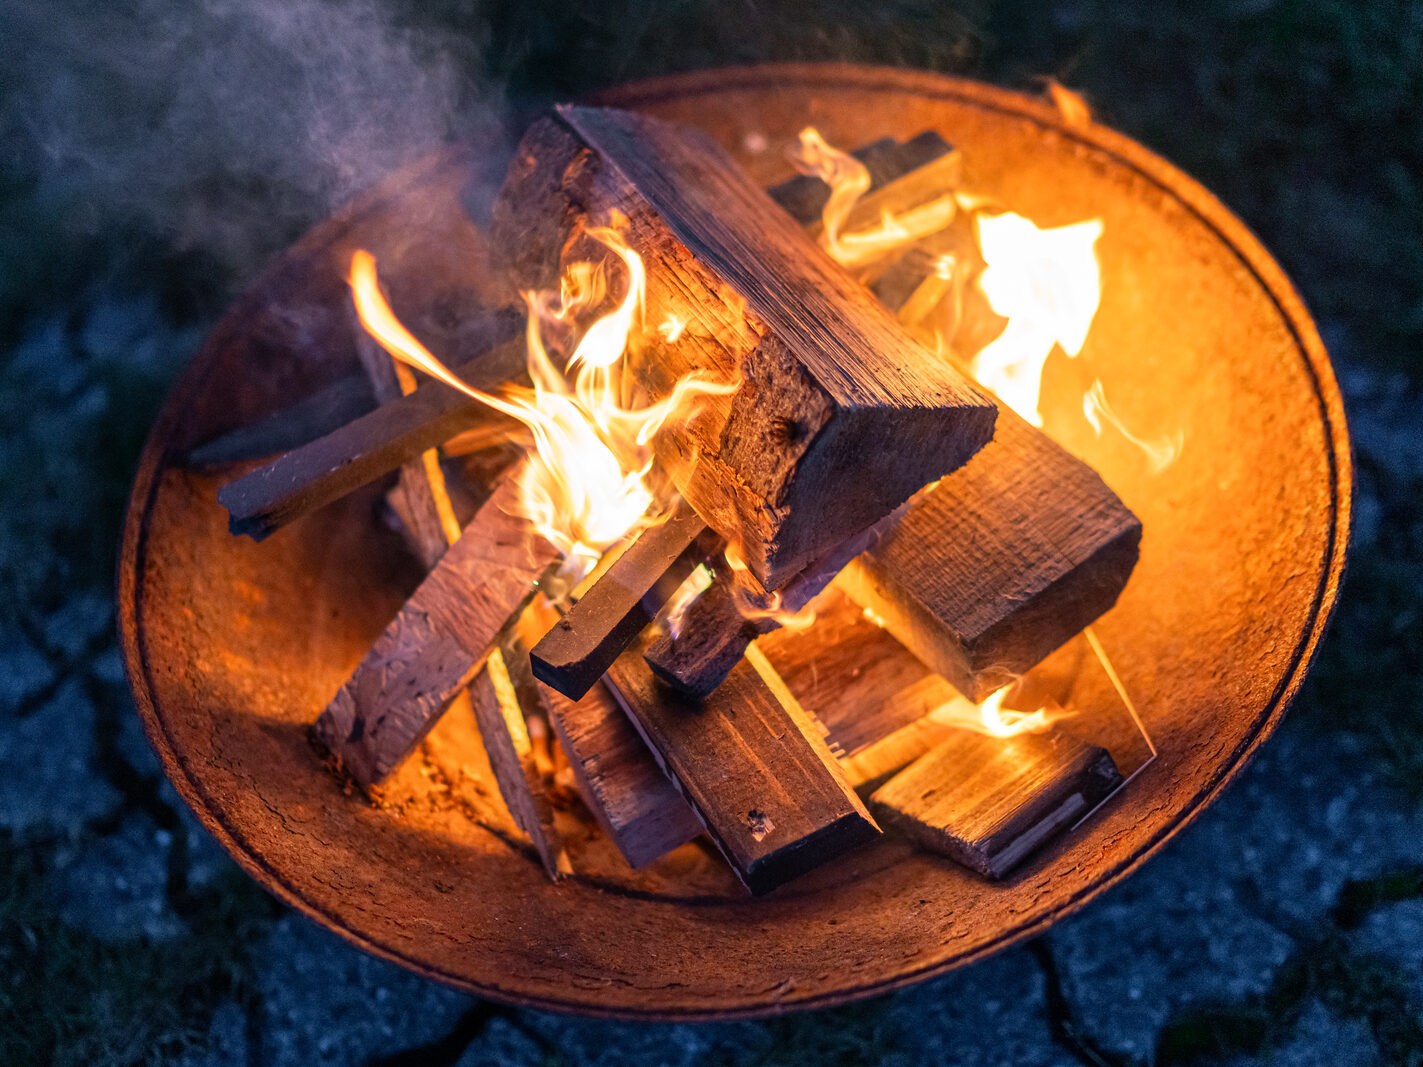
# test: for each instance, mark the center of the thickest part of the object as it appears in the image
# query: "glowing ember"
(587, 485)
(993, 719)
(1047, 284)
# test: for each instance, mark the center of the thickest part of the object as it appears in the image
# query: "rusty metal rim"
(1163, 175)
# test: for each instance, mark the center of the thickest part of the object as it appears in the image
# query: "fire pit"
(233, 648)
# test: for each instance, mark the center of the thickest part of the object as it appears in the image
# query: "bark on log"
(582, 645)
(323, 412)
(326, 469)
(753, 765)
(433, 647)
(841, 414)
(989, 802)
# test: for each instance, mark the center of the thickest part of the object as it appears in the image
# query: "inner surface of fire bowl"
(234, 647)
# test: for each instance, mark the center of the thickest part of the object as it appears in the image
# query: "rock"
(116, 887)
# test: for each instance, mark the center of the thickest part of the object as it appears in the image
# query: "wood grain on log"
(582, 645)
(1001, 562)
(988, 802)
(500, 705)
(433, 647)
(753, 765)
(840, 416)
(329, 467)
(632, 798)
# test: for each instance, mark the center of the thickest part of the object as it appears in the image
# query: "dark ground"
(154, 155)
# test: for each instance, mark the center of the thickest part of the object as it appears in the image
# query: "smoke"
(224, 127)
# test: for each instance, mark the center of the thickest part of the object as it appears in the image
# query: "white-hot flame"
(587, 485)
(1047, 284)
(990, 717)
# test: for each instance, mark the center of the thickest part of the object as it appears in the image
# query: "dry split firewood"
(988, 802)
(841, 415)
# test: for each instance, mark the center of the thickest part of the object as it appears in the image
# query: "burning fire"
(587, 484)
(990, 717)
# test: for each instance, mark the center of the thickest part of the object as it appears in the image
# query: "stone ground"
(1284, 927)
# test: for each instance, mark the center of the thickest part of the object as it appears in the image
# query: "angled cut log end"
(841, 414)
(1001, 563)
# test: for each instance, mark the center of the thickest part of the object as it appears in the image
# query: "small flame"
(1070, 105)
(1047, 283)
(672, 328)
(587, 485)
(769, 607)
(674, 612)
(849, 180)
(1160, 453)
(990, 717)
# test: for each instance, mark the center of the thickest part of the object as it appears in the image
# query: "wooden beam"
(1000, 563)
(735, 609)
(433, 647)
(501, 702)
(989, 802)
(582, 645)
(841, 415)
(753, 765)
(634, 801)
(314, 416)
(326, 469)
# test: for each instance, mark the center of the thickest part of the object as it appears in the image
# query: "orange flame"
(849, 180)
(990, 717)
(587, 485)
(1070, 105)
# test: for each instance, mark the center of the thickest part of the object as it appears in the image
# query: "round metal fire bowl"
(233, 647)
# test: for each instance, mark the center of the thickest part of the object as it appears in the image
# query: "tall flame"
(1047, 284)
(587, 484)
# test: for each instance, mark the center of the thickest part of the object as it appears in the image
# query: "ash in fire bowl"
(742, 412)
(748, 520)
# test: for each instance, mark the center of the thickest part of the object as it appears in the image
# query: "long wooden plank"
(433, 647)
(582, 645)
(840, 414)
(326, 469)
(633, 800)
(753, 765)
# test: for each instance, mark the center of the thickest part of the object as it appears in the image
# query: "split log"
(1000, 563)
(753, 765)
(803, 197)
(502, 700)
(988, 802)
(434, 646)
(735, 609)
(841, 415)
(582, 645)
(329, 467)
(323, 412)
(634, 801)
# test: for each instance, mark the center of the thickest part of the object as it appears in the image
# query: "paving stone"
(80, 624)
(116, 887)
(47, 773)
(1395, 932)
(1320, 1039)
(326, 1002)
(24, 672)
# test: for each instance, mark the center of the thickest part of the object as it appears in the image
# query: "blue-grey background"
(155, 154)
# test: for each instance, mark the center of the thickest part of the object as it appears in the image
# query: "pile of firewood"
(848, 450)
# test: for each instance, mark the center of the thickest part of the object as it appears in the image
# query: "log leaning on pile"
(841, 414)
